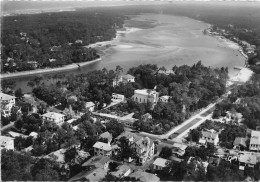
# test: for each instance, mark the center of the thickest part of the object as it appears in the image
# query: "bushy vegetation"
(248, 103)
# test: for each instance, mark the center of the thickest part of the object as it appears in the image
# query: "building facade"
(54, 117)
(210, 137)
(255, 141)
(145, 95)
(7, 102)
(103, 149)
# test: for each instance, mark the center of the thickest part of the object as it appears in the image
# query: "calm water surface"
(172, 40)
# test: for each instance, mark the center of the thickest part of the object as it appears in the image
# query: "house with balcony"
(210, 137)
(179, 149)
(164, 98)
(254, 144)
(103, 149)
(146, 95)
(7, 102)
(54, 117)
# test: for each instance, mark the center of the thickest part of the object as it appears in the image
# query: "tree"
(166, 152)
(15, 166)
(47, 175)
(39, 150)
(18, 93)
(115, 128)
(19, 123)
(125, 149)
(194, 135)
(45, 170)
(70, 154)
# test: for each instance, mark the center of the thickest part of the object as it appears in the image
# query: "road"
(189, 122)
(182, 129)
(7, 126)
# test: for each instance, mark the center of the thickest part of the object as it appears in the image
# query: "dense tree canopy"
(54, 39)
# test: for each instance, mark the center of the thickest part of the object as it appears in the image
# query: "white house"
(179, 149)
(118, 97)
(246, 159)
(255, 141)
(101, 148)
(7, 143)
(160, 163)
(142, 145)
(54, 117)
(123, 79)
(145, 95)
(7, 102)
(210, 137)
(90, 106)
(166, 72)
(164, 98)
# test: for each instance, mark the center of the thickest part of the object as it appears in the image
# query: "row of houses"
(97, 167)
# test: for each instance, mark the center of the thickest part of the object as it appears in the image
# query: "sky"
(10, 6)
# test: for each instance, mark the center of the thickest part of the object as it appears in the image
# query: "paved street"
(7, 126)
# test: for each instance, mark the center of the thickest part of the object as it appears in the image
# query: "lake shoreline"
(48, 70)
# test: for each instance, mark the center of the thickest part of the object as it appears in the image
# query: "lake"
(164, 40)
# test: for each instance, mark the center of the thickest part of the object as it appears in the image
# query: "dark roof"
(240, 141)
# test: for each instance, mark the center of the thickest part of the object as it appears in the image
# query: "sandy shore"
(125, 30)
(47, 70)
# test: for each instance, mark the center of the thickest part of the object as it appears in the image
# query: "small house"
(160, 163)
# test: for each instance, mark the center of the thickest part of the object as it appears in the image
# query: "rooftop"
(129, 135)
(209, 134)
(97, 161)
(128, 76)
(96, 174)
(179, 146)
(247, 158)
(144, 91)
(6, 97)
(14, 134)
(121, 170)
(165, 97)
(58, 155)
(106, 135)
(240, 141)
(90, 104)
(255, 137)
(4, 140)
(53, 115)
(144, 176)
(71, 121)
(161, 162)
(103, 146)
